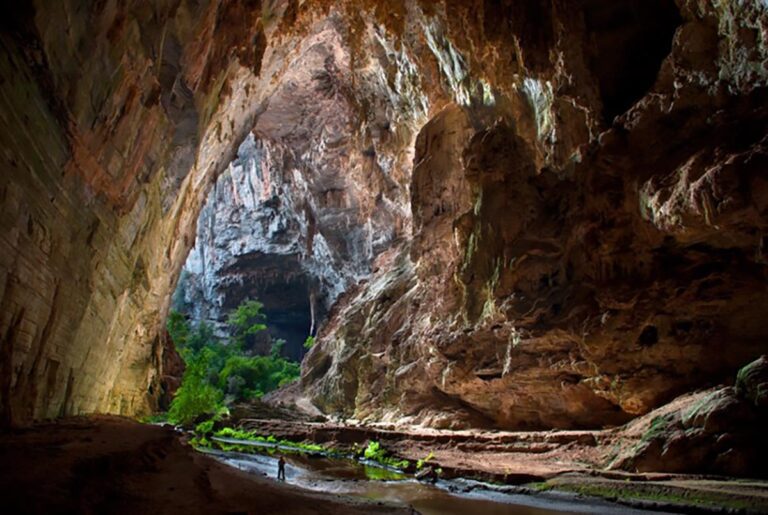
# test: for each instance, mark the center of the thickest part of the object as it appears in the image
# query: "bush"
(219, 372)
(196, 396)
(246, 377)
(376, 452)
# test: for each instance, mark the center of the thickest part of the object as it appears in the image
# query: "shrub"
(376, 452)
(196, 396)
(215, 368)
(245, 377)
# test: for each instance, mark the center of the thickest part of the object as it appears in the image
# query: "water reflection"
(348, 477)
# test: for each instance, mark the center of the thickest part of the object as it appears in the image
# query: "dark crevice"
(630, 40)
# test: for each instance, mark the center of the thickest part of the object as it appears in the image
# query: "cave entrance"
(248, 247)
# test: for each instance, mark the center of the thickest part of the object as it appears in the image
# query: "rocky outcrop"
(107, 114)
(523, 226)
(722, 433)
(566, 271)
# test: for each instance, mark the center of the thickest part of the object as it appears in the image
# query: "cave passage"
(527, 239)
(248, 247)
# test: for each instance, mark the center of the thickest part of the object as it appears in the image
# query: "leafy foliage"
(220, 372)
(420, 463)
(196, 396)
(244, 377)
(376, 452)
(247, 320)
(309, 342)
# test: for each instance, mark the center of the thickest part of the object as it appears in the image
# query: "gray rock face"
(256, 239)
(311, 198)
(249, 245)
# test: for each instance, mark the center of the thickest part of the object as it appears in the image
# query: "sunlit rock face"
(518, 213)
(107, 113)
(314, 194)
(248, 247)
(569, 269)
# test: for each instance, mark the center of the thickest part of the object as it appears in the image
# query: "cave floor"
(114, 465)
(104, 464)
(534, 461)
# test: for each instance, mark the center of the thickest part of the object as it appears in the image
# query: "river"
(445, 497)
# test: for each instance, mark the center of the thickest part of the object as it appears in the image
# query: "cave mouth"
(248, 247)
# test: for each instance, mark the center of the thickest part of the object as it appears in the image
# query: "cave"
(527, 239)
(251, 245)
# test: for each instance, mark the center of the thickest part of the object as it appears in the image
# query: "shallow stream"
(445, 497)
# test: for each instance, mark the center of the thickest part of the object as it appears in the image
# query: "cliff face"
(568, 269)
(559, 207)
(315, 193)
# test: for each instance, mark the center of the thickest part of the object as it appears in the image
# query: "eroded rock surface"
(566, 271)
(530, 214)
(722, 432)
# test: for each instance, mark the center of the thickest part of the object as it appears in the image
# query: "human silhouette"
(281, 469)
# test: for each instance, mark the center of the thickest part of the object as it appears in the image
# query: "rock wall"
(114, 123)
(561, 204)
(569, 269)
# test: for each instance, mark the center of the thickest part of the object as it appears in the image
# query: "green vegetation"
(237, 434)
(252, 436)
(309, 342)
(376, 452)
(749, 384)
(195, 396)
(657, 428)
(245, 321)
(219, 373)
(420, 463)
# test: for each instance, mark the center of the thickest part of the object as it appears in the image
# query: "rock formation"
(569, 269)
(722, 433)
(528, 214)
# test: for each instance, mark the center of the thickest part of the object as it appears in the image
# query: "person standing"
(281, 469)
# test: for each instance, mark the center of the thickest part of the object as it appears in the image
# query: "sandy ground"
(113, 465)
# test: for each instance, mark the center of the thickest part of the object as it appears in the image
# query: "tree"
(246, 320)
(178, 328)
(196, 396)
(218, 372)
